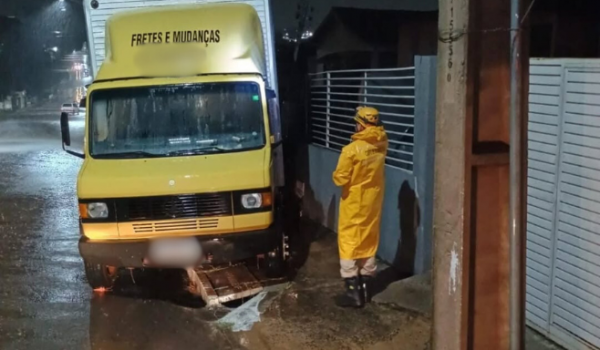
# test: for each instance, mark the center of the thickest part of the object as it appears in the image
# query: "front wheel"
(276, 260)
(275, 264)
(100, 276)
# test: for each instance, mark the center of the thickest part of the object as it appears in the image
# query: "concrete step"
(413, 293)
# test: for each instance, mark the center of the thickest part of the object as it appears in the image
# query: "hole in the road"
(172, 285)
(168, 285)
(234, 304)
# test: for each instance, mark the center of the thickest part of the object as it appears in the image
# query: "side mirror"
(66, 135)
(274, 118)
(64, 129)
(82, 102)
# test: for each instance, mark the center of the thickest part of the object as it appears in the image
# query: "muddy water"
(45, 302)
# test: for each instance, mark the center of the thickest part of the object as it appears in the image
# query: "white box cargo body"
(96, 21)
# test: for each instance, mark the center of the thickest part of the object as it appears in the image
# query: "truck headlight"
(256, 200)
(96, 210)
(252, 201)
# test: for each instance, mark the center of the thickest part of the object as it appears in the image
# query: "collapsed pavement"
(303, 316)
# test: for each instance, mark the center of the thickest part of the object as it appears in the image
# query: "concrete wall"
(406, 228)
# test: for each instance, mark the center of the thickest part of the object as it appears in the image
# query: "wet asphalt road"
(45, 302)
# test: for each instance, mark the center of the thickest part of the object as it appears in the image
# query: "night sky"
(284, 10)
(25, 62)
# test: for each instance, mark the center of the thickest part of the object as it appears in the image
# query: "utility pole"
(480, 175)
(304, 20)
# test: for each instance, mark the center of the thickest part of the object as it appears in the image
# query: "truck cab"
(182, 142)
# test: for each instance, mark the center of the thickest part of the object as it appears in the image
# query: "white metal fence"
(563, 201)
(336, 94)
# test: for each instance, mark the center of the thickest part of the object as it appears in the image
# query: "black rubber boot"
(353, 297)
(367, 288)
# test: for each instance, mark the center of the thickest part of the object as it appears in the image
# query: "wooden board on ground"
(226, 284)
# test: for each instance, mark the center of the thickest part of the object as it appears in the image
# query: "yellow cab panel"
(180, 165)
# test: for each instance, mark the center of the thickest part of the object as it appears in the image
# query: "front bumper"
(221, 249)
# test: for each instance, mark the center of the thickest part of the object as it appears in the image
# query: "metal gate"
(563, 209)
(335, 95)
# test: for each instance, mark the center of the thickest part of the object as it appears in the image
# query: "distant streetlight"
(55, 49)
(307, 35)
(304, 36)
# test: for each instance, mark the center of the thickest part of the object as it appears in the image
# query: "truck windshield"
(177, 120)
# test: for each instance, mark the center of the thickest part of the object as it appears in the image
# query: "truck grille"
(173, 207)
(176, 226)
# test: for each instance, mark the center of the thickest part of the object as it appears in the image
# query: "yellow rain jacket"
(360, 173)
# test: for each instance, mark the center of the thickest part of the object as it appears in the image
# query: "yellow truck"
(182, 139)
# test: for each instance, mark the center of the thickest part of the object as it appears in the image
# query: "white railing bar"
(316, 138)
(339, 108)
(365, 70)
(387, 131)
(398, 124)
(333, 121)
(335, 115)
(387, 157)
(347, 140)
(357, 102)
(347, 117)
(350, 132)
(334, 129)
(332, 142)
(401, 143)
(396, 115)
(370, 87)
(366, 95)
(399, 151)
(408, 77)
(370, 103)
(399, 133)
(399, 160)
(352, 110)
(320, 132)
(391, 105)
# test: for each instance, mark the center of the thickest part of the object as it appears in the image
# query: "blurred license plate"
(175, 252)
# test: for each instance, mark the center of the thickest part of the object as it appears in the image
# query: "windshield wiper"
(197, 151)
(126, 155)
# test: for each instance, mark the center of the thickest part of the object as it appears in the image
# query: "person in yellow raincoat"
(360, 174)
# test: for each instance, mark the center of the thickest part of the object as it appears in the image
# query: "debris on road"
(221, 285)
(244, 317)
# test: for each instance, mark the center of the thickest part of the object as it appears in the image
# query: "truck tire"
(99, 276)
(275, 264)
(276, 260)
